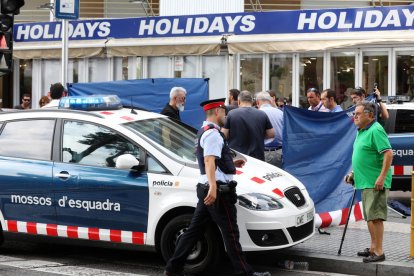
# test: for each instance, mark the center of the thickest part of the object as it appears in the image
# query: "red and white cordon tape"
(339, 217)
(402, 170)
(75, 232)
(335, 218)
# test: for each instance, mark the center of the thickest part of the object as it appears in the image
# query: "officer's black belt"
(218, 183)
(273, 149)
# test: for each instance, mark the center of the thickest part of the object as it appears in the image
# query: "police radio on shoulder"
(91, 103)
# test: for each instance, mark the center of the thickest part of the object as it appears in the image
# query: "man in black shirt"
(232, 100)
(246, 128)
(176, 104)
(26, 99)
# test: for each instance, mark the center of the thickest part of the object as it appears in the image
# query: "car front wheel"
(205, 252)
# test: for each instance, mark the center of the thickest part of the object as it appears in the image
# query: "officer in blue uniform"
(216, 195)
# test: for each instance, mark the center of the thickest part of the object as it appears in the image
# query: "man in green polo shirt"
(371, 161)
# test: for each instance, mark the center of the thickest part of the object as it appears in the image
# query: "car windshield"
(176, 139)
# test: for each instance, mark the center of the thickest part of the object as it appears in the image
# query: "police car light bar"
(398, 99)
(91, 103)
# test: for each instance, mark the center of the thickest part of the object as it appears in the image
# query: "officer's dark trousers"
(226, 219)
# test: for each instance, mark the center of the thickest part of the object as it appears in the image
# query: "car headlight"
(259, 202)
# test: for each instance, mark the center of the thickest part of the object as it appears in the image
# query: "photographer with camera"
(358, 95)
(371, 161)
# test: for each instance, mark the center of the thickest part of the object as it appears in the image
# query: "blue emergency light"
(398, 99)
(91, 103)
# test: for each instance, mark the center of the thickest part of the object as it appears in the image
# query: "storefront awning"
(53, 49)
(164, 46)
(120, 47)
(314, 42)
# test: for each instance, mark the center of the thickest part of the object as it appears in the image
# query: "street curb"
(348, 265)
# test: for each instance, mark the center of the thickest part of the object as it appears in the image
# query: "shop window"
(375, 70)
(310, 75)
(26, 75)
(138, 68)
(73, 68)
(214, 68)
(120, 69)
(159, 67)
(185, 67)
(343, 77)
(98, 69)
(251, 73)
(405, 74)
(125, 68)
(51, 73)
(280, 76)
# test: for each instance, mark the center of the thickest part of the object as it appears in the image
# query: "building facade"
(255, 51)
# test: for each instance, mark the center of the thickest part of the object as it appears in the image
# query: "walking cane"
(347, 220)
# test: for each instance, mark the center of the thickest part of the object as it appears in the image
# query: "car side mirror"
(126, 162)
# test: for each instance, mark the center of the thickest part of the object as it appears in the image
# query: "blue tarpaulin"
(151, 94)
(317, 149)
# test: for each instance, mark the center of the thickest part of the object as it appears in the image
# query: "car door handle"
(63, 175)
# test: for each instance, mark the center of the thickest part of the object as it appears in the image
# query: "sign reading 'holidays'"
(279, 22)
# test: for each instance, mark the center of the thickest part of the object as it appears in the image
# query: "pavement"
(321, 251)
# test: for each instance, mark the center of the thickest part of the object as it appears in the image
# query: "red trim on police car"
(75, 232)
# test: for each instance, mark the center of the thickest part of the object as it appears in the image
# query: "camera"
(373, 94)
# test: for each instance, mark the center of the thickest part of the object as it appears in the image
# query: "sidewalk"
(321, 251)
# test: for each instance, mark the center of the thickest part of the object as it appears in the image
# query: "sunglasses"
(26, 100)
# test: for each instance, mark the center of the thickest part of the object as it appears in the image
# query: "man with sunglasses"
(26, 100)
(371, 162)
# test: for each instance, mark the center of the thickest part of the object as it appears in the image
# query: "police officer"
(216, 194)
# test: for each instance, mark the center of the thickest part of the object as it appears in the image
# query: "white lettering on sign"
(403, 152)
(31, 200)
(360, 19)
(80, 30)
(198, 25)
(64, 201)
(88, 205)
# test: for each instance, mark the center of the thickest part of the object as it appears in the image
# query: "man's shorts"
(375, 204)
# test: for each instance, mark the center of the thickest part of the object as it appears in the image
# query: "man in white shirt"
(57, 91)
(314, 100)
(273, 146)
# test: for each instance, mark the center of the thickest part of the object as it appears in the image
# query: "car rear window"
(404, 121)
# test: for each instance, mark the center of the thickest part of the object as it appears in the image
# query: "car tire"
(205, 253)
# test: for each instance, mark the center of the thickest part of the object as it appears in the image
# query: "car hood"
(260, 177)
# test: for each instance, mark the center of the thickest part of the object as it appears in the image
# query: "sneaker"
(374, 258)
(364, 253)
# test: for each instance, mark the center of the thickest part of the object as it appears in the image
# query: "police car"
(400, 129)
(124, 176)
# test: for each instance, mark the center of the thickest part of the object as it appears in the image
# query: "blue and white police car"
(400, 129)
(124, 176)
